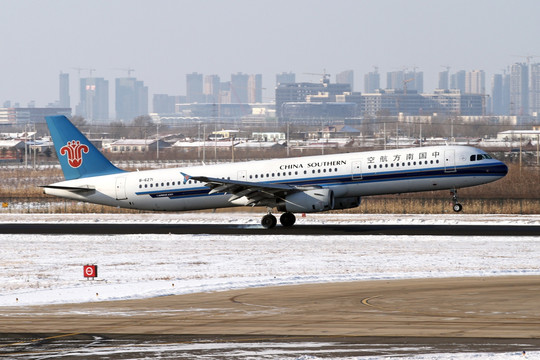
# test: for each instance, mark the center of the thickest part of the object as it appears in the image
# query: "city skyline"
(162, 41)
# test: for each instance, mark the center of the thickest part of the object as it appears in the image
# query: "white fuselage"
(347, 175)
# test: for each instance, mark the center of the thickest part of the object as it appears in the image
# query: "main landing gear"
(286, 219)
(457, 206)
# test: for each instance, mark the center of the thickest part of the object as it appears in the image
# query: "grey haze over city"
(164, 40)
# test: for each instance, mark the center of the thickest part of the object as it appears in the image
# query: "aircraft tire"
(287, 219)
(268, 221)
(458, 207)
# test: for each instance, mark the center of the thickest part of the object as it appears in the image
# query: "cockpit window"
(480, 157)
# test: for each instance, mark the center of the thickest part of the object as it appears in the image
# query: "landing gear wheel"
(457, 206)
(287, 219)
(268, 221)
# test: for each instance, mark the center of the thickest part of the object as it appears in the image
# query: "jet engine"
(308, 201)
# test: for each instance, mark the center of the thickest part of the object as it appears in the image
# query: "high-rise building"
(443, 80)
(239, 88)
(457, 81)
(412, 80)
(535, 90)
(475, 82)
(194, 88)
(346, 77)
(506, 94)
(285, 78)
(417, 82)
(94, 104)
(519, 89)
(131, 98)
(497, 105)
(64, 101)
(212, 86)
(372, 81)
(298, 92)
(394, 80)
(255, 88)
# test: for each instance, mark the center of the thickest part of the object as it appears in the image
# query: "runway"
(243, 229)
(426, 315)
(338, 320)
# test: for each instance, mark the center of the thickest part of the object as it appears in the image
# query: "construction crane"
(405, 85)
(325, 76)
(528, 57)
(79, 69)
(128, 70)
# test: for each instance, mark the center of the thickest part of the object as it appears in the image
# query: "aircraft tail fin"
(78, 157)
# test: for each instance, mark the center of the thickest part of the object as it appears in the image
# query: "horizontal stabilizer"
(71, 188)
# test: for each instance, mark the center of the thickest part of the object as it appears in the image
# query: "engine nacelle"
(346, 202)
(308, 201)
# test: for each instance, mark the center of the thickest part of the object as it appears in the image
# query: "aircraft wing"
(257, 193)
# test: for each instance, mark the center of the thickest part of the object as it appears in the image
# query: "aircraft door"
(242, 175)
(121, 188)
(449, 161)
(356, 170)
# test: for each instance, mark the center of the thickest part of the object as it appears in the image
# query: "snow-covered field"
(46, 269)
(43, 269)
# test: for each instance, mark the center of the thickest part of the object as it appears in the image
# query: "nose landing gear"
(457, 207)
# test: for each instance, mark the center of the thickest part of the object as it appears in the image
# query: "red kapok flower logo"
(74, 150)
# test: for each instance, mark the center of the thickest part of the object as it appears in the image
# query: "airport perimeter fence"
(369, 205)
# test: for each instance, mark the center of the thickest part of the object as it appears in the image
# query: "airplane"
(291, 185)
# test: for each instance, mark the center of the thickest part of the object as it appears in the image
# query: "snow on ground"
(253, 218)
(44, 269)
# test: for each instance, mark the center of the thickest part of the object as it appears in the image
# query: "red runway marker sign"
(90, 271)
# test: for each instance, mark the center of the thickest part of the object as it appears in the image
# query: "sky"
(163, 40)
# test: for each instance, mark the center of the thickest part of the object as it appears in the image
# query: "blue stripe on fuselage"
(491, 169)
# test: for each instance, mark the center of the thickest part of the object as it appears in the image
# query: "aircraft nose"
(500, 169)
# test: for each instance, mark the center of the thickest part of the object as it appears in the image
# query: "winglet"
(186, 177)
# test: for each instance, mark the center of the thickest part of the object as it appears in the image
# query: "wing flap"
(254, 192)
